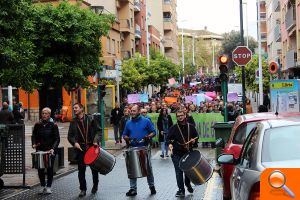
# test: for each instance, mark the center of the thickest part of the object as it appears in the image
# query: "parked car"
(270, 144)
(240, 130)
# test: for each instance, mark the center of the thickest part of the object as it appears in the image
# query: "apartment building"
(170, 30)
(263, 25)
(274, 47)
(206, 44)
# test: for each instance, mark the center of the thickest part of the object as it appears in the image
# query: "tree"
(250, 70)
(136, 74)
(232, 40)
(17, 56)
(68, 44)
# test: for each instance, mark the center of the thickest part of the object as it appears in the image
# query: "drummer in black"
(45, 137)
(83, 133)
(182, 137)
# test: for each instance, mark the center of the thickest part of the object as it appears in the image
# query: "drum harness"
(186, 145)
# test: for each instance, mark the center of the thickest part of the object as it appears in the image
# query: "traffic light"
(102, 90)
(223, 61)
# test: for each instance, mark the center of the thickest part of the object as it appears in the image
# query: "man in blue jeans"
(182, 137)
(139, 128)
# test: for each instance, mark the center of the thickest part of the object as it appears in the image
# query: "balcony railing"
(126, 54)
(168, 42)
(263, 16)
(167, 19)
(167, 1)
(290, 59)
(290, 18)
(276, 5)
(277, 33)
(138, 33)
(125, 25)
(137, 5)
(263, 37)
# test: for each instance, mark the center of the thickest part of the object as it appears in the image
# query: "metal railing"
(276, 5)
(290, 18)
(277, 33)
(138, 32)
(290, 59)
(137, 5)
(167, 19)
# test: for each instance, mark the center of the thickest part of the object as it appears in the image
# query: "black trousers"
(179, 173)
(41, 173)
(81, 172)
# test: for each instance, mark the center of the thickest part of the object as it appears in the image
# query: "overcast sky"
(218, 15)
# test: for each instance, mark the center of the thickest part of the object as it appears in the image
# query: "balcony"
(138, 33)
(137, 6)
(276, 5)
(277, 33)
(125, 25)
(263, 36)
(167, 6)
(290, 59)
(290, 18)
(263, 16)
(168, 43)
(168, 24)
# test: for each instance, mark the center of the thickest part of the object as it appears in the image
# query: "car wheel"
(1, 184)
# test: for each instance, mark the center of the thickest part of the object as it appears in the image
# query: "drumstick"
(189, 141)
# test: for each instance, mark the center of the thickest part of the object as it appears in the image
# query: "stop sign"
(241, 55)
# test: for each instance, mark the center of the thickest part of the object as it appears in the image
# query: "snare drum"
(41, 160)
(196, 167)
(138, 162)
(100, 160)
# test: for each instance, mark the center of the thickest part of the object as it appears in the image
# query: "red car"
(240, 130)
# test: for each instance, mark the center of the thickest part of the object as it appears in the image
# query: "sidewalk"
(31, 174)
(114, 185)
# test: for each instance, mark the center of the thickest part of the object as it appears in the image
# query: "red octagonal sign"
(241, 55)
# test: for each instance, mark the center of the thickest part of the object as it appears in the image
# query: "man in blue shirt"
(139, 128)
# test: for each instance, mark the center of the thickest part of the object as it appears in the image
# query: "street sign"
(241, 55)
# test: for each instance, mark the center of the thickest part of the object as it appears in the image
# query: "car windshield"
(281, 144)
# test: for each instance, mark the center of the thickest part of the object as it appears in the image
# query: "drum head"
(91, 155)
(190, 160)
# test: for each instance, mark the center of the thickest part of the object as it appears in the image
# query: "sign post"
(242, 56)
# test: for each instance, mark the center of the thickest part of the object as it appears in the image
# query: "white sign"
(110, 73)
(235, 88)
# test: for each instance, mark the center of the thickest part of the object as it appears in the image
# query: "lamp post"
(247, 37)
(260, 79)
(182, 52)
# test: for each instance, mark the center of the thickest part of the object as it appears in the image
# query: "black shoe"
(162, 156)
(94, 190)
(190, 189)
(82, 193)
(180, 193)
(131, 193)
(152, 189)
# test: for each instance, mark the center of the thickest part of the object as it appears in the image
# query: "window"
(242, 132)
(248, 148)
(108, 45)
(142, 24)
(131, 17)
(118, 46)
(281, 144)
(113, 45)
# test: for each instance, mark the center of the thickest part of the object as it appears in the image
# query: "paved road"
(115, 184)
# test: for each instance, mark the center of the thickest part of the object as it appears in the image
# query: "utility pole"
(243, 67)
(260, 78)
(182, 52)
(147, 35)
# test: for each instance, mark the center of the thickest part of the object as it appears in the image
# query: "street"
(116, 184)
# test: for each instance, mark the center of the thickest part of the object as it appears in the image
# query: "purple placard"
(233, 96)
(189, 99)
(133, 98)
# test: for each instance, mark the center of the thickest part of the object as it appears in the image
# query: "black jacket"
(160, 126)
(116, 115)
(174, 137)
(190, 119)
(6, 117)
(123, 121)
(91, 126)
(45, 135)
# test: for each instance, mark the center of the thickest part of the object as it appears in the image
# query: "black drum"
(138, 162)
(196, 167)
(99, 159)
